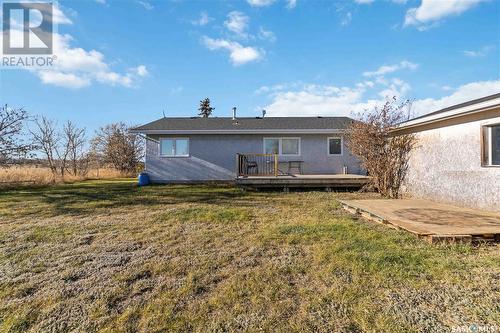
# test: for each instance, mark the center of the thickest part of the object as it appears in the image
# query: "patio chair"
(250, 165)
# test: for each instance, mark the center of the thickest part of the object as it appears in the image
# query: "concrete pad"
(424, 217)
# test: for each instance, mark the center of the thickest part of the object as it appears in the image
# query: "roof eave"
(242, 131)
(451, 114)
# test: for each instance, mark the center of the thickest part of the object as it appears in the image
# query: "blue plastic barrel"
(143, 179)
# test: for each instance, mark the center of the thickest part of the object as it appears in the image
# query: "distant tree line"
(67, 149)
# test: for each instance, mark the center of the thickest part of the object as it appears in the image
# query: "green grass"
(108, 256)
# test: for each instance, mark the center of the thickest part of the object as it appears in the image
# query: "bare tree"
(47, 139)
(119, 147)
(205, 108)
(385, 157)
(74, 154)
(11, 134)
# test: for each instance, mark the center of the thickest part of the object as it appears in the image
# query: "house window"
(174, 147)
(491, 145)
(334, 146)
(271, 146)
(282, 146)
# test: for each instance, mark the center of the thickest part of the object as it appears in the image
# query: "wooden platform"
(434, 221)
(295, 180)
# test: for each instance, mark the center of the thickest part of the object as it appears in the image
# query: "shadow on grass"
(85, 197)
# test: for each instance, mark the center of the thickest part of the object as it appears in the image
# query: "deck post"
(275, 165)
(237, 165)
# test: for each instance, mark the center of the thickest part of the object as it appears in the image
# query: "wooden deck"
(296, 180)
(434, 221)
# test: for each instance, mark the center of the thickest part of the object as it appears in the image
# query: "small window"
(334, 146)
(289, 146)
(271, 146)
(491, 145)
(174, 147)
(282, 146)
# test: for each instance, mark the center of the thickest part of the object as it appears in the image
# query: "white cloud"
(396, 87)
(279, 88)
(267, 35)
(113, 78)
(74, 67)
(482, 52)
(102, 2)
(77, 68)
(204, 19)
(66, 80)
(364, 2)
(432, 11)
(473, 54)
(76, 59)
(237, 22)
(141, 70)
(346, 20)
(461, 94)
(262, 90)
(238, 53)
(330, 100)
(260, 3)
(176, 90)
(59, 17)
(386, 69)
(146, 4)
(314, 100)
(291, 4)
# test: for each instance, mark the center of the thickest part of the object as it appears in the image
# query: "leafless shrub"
(47, 139)
(11, 134)
(116, 145)
(74, 139)
(63, 150)
(385, 157)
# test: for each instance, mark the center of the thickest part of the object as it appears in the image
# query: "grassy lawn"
(107, 256)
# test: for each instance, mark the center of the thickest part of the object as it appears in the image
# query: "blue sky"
(131, 60)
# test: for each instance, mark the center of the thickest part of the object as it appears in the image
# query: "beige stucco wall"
(446, 167)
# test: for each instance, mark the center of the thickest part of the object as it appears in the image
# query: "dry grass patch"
(16, 176)
(107, 256)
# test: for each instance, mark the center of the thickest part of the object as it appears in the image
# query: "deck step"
(437, 239)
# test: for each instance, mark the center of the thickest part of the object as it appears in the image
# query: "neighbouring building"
(458, 155)
(199, 149)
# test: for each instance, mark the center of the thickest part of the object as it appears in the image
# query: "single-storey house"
(457, 159)
(197, 149)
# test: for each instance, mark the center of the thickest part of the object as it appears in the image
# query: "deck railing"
(256, 165)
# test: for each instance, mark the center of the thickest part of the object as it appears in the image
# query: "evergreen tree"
(205, 108)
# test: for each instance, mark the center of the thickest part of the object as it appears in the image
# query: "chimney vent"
(234, 113)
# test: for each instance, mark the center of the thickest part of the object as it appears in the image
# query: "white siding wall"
(446, 167)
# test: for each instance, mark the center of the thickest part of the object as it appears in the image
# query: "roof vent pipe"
(234, 113)
(263, 113)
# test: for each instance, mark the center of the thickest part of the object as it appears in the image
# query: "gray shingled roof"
(258, 123)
